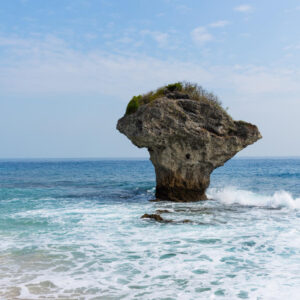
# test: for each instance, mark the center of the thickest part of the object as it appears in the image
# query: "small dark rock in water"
(158, 218)
(186, 221)
(155, 217)
(163, 211)
(188, 134)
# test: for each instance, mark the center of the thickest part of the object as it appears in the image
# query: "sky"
(69, 67)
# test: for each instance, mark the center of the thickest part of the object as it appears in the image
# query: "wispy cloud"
(161, 14)
(292, 47)
(91, 36)
(41, 67)
(160, 37)
(217, 24)
(183, 8)
(245, 34)
(245, 8)
(292, 10)
(125, 40)
(201, 36)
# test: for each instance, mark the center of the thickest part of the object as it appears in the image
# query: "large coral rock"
(187, 140)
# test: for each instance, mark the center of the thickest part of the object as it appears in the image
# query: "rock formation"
(188, 135)
(155, 217)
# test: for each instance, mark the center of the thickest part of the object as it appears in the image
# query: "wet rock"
(155, 217)
(186, 221)
(163, 211)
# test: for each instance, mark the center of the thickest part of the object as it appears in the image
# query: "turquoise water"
(72, 230)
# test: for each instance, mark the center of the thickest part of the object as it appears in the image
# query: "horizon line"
(138, 158)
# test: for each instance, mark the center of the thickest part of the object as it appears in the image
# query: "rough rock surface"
(155, 217)
(187, 140)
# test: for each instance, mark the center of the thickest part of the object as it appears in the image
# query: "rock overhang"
(186, 139)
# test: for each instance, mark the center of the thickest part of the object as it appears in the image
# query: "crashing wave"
(233, 195)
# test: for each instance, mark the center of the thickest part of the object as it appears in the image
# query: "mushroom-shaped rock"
(188, 135)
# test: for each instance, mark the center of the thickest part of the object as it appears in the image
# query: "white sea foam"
(232, 195)
(107, 251)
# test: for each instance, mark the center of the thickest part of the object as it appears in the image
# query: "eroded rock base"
(179, 194)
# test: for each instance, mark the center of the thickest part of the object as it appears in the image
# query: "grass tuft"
(178, 90)
(133, 104)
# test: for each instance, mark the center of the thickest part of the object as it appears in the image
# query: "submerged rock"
(188, 135)
(163, 211)
(158, 218)
(155, 217)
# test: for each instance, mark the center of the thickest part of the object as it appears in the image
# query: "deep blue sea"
(71, 229)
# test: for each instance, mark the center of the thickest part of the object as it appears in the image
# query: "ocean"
(71, 229)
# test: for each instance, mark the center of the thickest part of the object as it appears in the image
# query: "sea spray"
(233, 195)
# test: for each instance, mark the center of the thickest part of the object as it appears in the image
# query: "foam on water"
(243, 244)
(108, 251)
(233, 195)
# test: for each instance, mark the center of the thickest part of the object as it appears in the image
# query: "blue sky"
(68, 69)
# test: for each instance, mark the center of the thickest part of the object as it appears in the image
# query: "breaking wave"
(233, 195)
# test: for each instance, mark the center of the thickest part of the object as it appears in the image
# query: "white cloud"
(291, 10)
(201, 36)
(254, 80)
(183, 8)
(160, 37)
(91, 36)
(245, 8)
(245, 34)
(221, 23)
(42, 67)
(125, 40)
(5, 42)
(292, 47)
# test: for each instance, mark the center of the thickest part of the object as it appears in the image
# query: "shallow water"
(72, 230)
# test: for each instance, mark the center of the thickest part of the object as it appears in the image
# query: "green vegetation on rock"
(133, 104)
(174, 87)
(178, 90)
